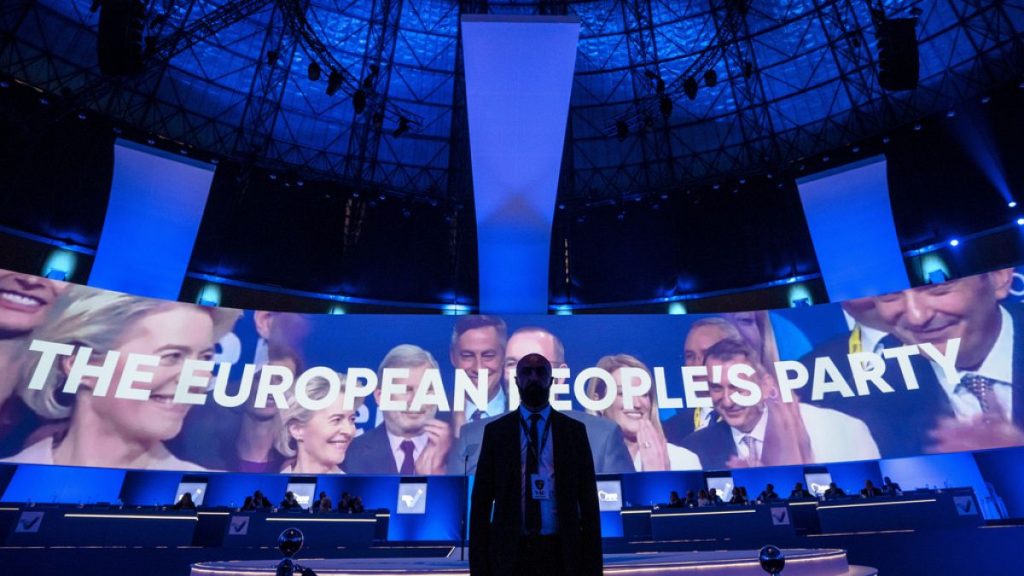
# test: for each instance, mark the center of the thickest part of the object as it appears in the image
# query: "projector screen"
(102, 379)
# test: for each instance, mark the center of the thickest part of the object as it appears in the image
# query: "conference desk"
(759, 520)
(324, 530)
(96, 526)
(55, 525)
(922, 510)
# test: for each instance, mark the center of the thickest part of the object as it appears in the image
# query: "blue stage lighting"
(954, 242)
(1012, 204)
(1020, 221)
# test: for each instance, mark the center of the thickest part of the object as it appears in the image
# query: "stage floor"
(799, 562)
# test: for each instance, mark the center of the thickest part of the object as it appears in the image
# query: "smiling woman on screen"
(316, 440)
(641, 424)
(104, 430)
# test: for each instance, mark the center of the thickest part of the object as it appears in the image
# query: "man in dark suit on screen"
(534, 504)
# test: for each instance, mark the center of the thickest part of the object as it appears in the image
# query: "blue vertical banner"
(850, 219)
(156, 204)
(519, 72)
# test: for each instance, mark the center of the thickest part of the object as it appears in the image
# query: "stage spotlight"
(334, 80)
(621, 130)
(772, 560)
(1012, 204)
(1020, 221)
(711, 78)
(272, 56)
(402, 128)
(313, 71)
(690, 87)
(359, 101)
(665, 105)
(954, 242)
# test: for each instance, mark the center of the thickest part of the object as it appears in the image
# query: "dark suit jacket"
(900, 421)
(713, 444)
(496, 520)
(606, 445)
(370, 453)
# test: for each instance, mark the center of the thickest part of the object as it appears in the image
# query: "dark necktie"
(408, 464)
(532, 467)
(478, 415)
(981, 387)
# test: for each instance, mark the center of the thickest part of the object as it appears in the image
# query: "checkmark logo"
(965, 505)
(238, 526)
(780, 516)
(26, 524)
(29, 522)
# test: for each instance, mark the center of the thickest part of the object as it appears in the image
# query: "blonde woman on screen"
(640, 425)
(112, 432)
(316, 441)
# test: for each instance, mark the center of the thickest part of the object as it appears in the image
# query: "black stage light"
(899, 60)
(403, 127)
(665, 104)
(272, 56)
(334, 80)
(119, 40)
(285, 567)
(359, 100)
(690, 87)
(313, 71)
(711, 78)
(621, 130)
(772, 560)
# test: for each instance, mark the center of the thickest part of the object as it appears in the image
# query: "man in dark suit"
(770, 432)
(606, 443)
(534, 503)
(411, 442)
(834, 492)
(703, 334)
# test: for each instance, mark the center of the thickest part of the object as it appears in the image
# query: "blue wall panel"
(65, 484)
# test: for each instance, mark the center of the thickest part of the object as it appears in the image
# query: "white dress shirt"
(997, 366)
(42, 453)
(679, 458)
(742, 450)
(545, 466)
(418, 442)
(495, 407)
(834, 436)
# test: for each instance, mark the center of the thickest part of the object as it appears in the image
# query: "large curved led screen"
(97, 378)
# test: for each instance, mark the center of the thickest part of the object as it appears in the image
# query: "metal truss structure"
(667, 93)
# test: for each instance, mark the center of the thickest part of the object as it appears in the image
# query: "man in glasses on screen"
(757, 429)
